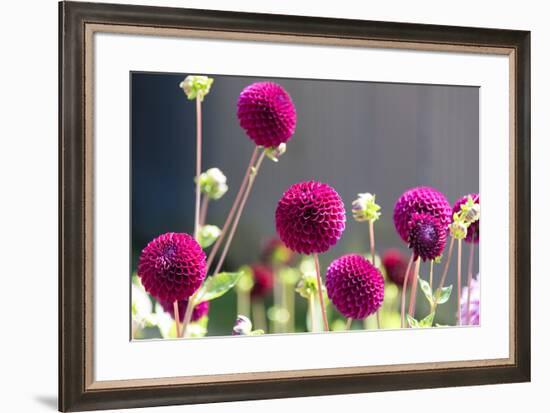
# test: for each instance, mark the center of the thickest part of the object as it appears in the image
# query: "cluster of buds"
(213, 183)
(469, 213)
(196, 87)
(365, 208)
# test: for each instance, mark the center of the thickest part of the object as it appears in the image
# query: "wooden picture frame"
(77, 388)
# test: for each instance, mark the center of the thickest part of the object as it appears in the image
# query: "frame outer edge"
(73, 395)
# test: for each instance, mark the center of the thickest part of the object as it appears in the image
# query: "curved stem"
(177, 317)
(239, 213)
(320, 289)
(404, 290)
(198, 168)
(470, 271)
(232, 211)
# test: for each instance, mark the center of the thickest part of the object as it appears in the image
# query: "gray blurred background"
(356, 136)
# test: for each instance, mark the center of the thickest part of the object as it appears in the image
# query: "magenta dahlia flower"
(267, 114)
(420, 200)
(200, 310)
(172, 267)
(475, 296)
(395, 264)
(355, 286)
(310, 217)
(427, 237)
(263, 280)
(473, 229)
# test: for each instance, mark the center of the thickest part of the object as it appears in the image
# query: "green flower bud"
(274, 153)
(195, 86)
(364, 208)
(470, 211)
(208, 234)
(213, 183)
(458, 230)
(307, 286)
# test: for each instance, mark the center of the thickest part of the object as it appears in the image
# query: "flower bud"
(470, 212)
(307, 286)
(196, 86)
(364, 208)
(458, 230)
(243, 326)
(213, 183)
(274, 153)
(208, 234)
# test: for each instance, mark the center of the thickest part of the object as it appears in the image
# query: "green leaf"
(217, 285)
(257, 333)
(426, 289)
(427, 321)
(412, 321)
(443, 295)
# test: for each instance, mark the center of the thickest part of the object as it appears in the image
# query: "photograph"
(264, 205)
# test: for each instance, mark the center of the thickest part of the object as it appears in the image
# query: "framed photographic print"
(265, 206)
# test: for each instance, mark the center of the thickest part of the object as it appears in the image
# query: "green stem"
(177, 317)
(236, 203)
(239, 213)
(470, 274)
(320, 289)
(459, 281)
(348, 323)
(404, 290)
(198, 168)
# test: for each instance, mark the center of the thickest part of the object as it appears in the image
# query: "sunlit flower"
(365, 208)
(267, 114)
(310, 217)
(355, 286)
(172, 267)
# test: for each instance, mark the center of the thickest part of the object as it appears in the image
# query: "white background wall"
(28, 206)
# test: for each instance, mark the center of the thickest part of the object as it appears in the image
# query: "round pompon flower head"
(267, 114)
(310, 217)
(420, 200)
(263, 280)
(395, 264)
(355, 286)
(172, 267)
(200, 310)
(473, 229)
(427, 237)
